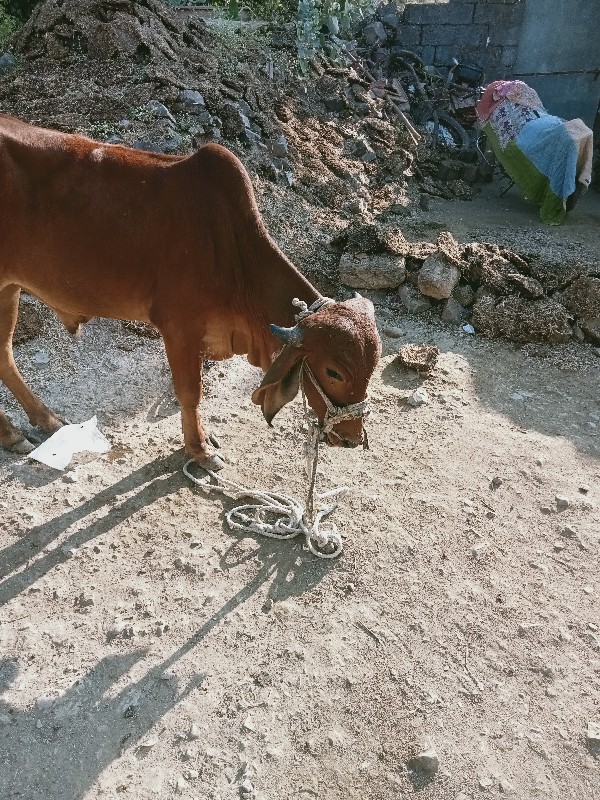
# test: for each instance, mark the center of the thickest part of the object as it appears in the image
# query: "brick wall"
(483, 31)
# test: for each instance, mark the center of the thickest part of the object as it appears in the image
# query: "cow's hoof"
(22, 447)
(214, 463)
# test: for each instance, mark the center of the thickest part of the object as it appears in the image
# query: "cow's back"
(98, 229)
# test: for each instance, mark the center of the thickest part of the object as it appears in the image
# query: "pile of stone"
(499, 292)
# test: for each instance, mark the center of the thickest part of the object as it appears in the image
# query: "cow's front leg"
(186, 368)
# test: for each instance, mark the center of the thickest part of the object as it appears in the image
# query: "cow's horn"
(291, 336)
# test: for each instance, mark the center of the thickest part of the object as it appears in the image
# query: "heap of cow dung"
(501, 293)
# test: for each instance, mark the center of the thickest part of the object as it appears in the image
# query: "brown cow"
(97, 230)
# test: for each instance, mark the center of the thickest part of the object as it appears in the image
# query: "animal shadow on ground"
(73, 739)
(154, 480)
(87, 719)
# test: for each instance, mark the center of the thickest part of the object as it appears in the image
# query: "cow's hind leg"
(186, 368)
(39, 415)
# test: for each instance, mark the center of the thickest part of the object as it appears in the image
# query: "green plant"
(268, 10)
(19, 10)
(8, 25)
(327, 26)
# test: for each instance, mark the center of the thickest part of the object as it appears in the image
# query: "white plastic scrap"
(468, 329)
(59, 449)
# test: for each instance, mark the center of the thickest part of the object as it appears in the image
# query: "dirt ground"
(149, 652)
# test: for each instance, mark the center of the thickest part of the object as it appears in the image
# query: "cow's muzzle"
(339, 440)
(336, 415)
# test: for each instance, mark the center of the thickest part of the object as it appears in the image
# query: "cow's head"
(341, 347)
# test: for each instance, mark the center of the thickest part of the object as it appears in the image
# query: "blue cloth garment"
(551, 149)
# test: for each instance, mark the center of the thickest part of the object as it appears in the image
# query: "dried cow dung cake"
(420, 357)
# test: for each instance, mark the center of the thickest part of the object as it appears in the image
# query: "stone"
(250, 137)
(478, 549)
(420, 397)
(591, 327)
(147, 145)
(426, 761)
(374, 33)
(191, 100)
(7, 61)
(372, 271)
(205, 118)
(392, 332)
(413, 301)
(159, 110)
(464, 294)
(358, 206)
(172, 143)
(279, 147)
(593, 732)
(562, 502)
(334, 103)
(569, 532)
(438, 277)
(355, 147)
(194, 732)
(453, 313)
(41, 358)
(369, 156)
(506, 787)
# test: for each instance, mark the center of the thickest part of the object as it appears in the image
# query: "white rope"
(293, 519)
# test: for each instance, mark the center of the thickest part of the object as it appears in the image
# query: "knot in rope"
(291, 519)
(305, 310)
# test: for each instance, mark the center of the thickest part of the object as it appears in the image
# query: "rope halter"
(333, 414)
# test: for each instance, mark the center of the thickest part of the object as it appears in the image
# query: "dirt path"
(148, 652)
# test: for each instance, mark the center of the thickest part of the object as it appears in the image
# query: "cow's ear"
(281, 383)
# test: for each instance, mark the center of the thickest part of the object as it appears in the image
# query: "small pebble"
(393, 333)
(562, 502)
(506, 786)
(150, 742)
(418, 398)
(194, 732)
(593, 732)
(479, 549)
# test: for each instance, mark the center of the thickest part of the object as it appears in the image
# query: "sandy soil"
(149, 652)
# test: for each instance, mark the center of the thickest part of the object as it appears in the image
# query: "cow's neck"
(279, 282)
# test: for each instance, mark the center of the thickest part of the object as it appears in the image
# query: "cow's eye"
(333, 374)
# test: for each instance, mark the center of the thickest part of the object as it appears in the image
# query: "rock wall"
(484, 31)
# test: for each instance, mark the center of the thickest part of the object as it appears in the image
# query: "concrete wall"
(550, 44)
(559, 55)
